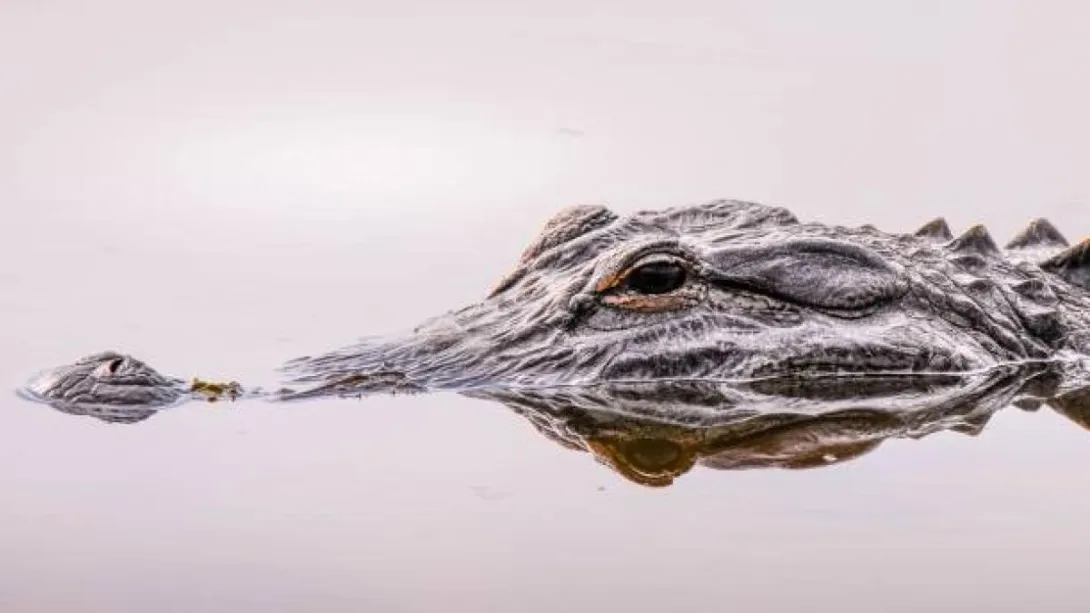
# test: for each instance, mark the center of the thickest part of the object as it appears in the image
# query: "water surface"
(220, 187)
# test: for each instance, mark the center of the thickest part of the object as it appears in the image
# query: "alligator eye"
(114, 365)
(656, 278)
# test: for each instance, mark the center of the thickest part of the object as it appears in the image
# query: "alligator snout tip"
(38, 386)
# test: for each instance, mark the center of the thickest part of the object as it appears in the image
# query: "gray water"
(218, 187)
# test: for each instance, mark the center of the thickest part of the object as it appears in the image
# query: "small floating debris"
(213, 391)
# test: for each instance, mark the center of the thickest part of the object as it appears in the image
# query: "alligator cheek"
(809, 350)
(708, 361)
(645, 328)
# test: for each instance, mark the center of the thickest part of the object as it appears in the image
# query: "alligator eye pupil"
(656, 278)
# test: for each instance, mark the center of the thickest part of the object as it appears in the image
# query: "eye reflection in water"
(651, 433)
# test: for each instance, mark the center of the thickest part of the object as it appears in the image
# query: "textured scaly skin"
(751, 293)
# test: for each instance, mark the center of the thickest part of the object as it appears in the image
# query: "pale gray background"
(218, 186)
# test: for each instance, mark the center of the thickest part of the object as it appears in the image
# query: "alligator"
(727, 291)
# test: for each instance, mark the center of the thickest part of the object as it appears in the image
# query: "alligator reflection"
(653, 432)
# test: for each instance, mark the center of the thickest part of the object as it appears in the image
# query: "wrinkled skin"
(728, 291)
(758, 295)
(108, 385)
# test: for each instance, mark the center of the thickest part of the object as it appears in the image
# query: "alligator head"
(734, 290)
(726, 291)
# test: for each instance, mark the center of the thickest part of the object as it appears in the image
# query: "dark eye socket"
(656, 278)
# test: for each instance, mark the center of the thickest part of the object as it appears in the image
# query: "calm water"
(220, 187)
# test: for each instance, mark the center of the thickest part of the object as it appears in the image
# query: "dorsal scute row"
(1072, 263)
